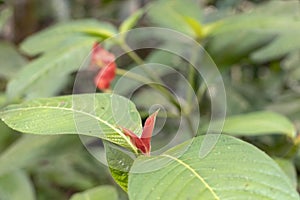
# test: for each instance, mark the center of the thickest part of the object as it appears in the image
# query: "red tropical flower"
(106, 61)
(100, 56)
(144, 142)
(105, 76)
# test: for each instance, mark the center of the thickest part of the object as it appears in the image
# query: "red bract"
(101, 57)
(106, 61)
(144, 142)
(105, 76)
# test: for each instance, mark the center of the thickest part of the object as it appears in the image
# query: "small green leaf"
(234, 169)
(131, 21)
(119, 164)
(97, 193)
(257, 123)
(16, 185)
(56, 35)
(97, 115)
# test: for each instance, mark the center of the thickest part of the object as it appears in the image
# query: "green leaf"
(7, 136)
(119, 164)
(131, 21)
(284, 44)
(11, 60)
(257, 123)
(234, 47)
(49, 38)
(174, 14)
(97, 115)
(5, 14)
(46, 75)
(31, 148)
(15, 186)
(232, 170)
(289, 169)
(276, 19)
(97, 193)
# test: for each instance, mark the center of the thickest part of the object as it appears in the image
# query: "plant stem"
(191, 79)
(159, 87)
(201, 91)
(190, 125)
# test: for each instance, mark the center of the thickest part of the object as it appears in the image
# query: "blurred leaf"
(173, 14)
(289, 168)
(257, 123)
(250, 174)
(46, 75)
(11, 60)
(284, 44)
(99, 193)
(264, 21)
(29, 149)
(97, 115)
(52, 37)
(131, 21)
(15, 186)
(229, 48)
(5, 14)
(7, 136)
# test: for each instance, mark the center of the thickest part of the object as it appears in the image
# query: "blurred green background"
(255, 44)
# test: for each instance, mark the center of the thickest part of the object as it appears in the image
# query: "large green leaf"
(99, 193)
(46, 75)
(15, 186)
(257, 123)
(50, 38)
(97, 115)
(232, 170)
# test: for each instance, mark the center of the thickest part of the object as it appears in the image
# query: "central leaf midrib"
(195, 173)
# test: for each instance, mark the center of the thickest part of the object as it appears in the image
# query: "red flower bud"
(100, 56)
(144, 142)
(105, 76)
(106, 61)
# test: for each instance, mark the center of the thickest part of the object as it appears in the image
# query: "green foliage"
(119, 164)
(257, 123)
(51, 38)
(4, 16)
(233, 169)
(256, 49)
(97, 115)
(174, 14)
(16, 185)
(30, 149)
(11, 60)
(47, 75)
(98, 193)
(131, 21)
